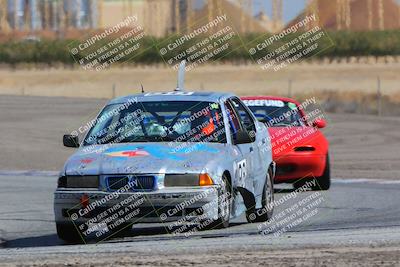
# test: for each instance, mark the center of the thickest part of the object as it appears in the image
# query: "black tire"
(68, 233)
(266, 212)
(324, 181)
(224, 213)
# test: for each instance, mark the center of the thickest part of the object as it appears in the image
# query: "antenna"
(181, 77)
(141, 85)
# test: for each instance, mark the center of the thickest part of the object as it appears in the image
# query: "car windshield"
(275, 113)
(179, 121)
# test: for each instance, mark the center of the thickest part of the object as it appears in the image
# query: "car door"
(245, 166)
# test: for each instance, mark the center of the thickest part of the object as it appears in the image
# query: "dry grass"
(348, 87)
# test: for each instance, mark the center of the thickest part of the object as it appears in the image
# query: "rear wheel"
(265, 213)
(68, 233)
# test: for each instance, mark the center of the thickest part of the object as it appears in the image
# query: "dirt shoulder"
(324, 256)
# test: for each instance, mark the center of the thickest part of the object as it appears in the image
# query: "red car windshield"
(275, 113)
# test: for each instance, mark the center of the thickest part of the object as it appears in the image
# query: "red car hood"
(304, 139)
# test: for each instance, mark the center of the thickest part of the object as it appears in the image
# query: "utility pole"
(130, 8)
(189, 14)
(177, 17)
(100, 13)
(124, 8)
(348, 14)
(15, 16)
(78, 15)
(369, 8)
(277, 14)
(53, 7)
(379, 96)
(5, 27)
(339, 7)
(381, 15)
(250, 11)
(242, 16)
(210, 8)
(343, 14)
(312, 8)
(46, 15)
(61, 26)
(27, 17)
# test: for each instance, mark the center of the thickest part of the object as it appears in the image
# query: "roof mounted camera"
(180, 86)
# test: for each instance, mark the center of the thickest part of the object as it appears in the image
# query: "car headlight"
(78, 181)
(190, 179)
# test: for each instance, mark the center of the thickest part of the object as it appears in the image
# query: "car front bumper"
(161, 206)
(292, 167)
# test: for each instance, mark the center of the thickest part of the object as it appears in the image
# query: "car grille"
(136, 183)
(87, 181)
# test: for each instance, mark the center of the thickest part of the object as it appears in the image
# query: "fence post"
(379, 97)
(113, 91)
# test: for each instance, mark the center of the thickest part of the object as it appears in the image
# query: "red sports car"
(299, 148)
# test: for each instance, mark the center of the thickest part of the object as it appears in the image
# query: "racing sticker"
(160, 152)
(128, 154)
(264, 103)
(292, 106)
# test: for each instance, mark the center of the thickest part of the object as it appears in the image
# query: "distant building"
(50, 14)
(354, 15)
(158, 17)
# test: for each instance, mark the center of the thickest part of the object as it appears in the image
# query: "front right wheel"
(265, 213)
(224, 206)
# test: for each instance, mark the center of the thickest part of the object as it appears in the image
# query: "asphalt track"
(352, 212)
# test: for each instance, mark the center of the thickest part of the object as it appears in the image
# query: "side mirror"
(70, 140)
(242, 137)
(319, 123)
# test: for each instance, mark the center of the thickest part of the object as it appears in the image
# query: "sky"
(291, 8)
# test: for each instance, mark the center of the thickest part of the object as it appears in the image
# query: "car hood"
(143, 158)
(285, 139)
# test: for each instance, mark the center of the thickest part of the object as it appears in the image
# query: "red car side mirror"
(319, 123)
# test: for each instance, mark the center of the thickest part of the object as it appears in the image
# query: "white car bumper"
(163, 205)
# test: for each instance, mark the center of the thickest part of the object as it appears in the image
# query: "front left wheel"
(324, 181)
(68, 232)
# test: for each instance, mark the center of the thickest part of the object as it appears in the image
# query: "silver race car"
(174, 157)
